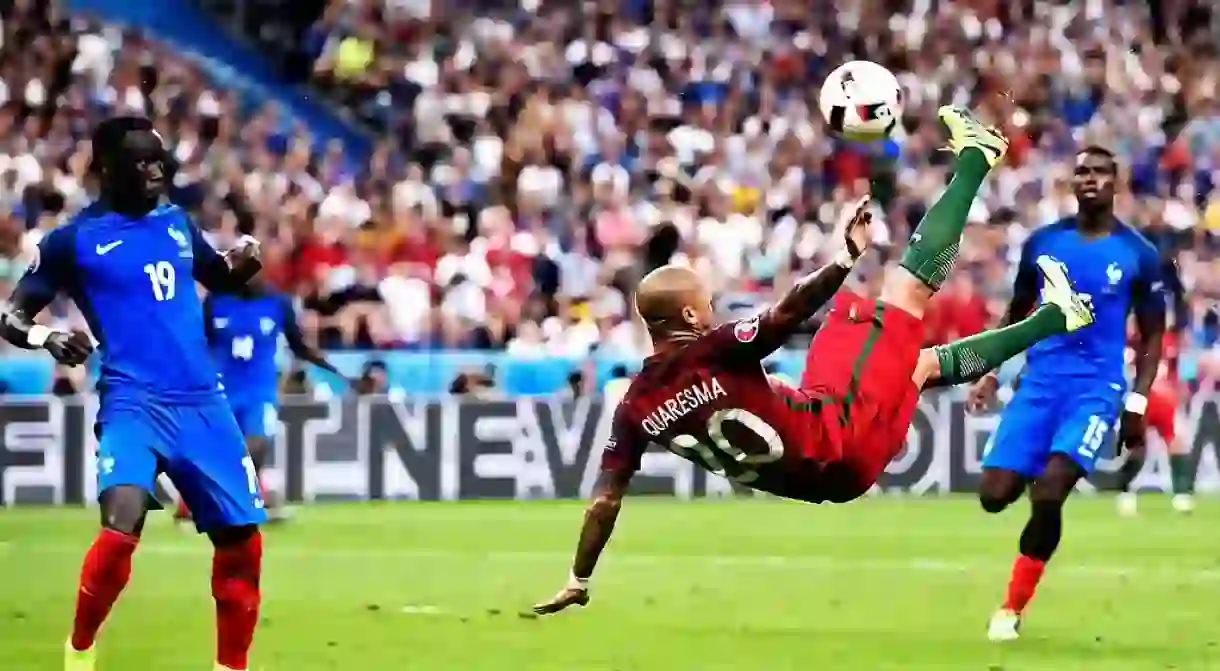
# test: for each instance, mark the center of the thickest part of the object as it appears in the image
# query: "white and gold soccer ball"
(861, 101)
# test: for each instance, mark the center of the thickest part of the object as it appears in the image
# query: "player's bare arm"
(17, 325)
(600, 517)
(815, 289)
(302, 349)
(1150, 323)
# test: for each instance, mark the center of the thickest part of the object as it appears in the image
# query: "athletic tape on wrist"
(1136, 403)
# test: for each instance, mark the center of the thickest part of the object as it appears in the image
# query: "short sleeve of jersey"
(625, 447)
(1148, 288)
(51, 266)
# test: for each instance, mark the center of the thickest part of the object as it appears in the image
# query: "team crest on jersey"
(1114, 275)
(746, 330)
(184, 246)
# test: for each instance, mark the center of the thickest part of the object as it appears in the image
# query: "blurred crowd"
(535, 159)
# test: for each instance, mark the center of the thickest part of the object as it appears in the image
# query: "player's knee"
(232, 536)
(999, 489)
(992, 503)
(123, 509)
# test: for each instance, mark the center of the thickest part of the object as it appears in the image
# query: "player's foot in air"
(79, 660)
(1057, 290)
(967, 131)
(1127, 504)
(1005, 625)
(1183, 503)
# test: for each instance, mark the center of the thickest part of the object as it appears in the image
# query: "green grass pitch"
(886, 583)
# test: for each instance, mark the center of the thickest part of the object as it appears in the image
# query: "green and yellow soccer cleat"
(79, 660)
(967, 131)
(1057, 290)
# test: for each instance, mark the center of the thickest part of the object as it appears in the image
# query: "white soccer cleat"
(1005, 625)
(1184, 503)
(1127, 503)
(1057, 290)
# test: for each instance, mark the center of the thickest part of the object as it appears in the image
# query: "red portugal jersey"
(710, 402)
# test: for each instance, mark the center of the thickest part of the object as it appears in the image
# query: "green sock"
(1182, 479)
(934, 245)
(966, 359)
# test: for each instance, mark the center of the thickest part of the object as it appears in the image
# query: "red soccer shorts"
(1162, 413)
(860, 364)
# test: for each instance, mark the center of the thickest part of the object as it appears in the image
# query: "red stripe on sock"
(236, 570)
(1026, 572)
(104, 574)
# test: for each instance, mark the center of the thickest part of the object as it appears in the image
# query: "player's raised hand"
(568, 596)
(70, 349)
(982, 393)
(857, 235)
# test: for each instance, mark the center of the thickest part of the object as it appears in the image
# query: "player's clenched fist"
(568, 596)
(246, 251)
(70, 349)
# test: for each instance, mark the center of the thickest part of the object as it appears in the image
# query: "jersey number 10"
(722, 457)
(161, 274)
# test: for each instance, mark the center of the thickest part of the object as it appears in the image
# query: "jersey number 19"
(722, 457)
(161, 274)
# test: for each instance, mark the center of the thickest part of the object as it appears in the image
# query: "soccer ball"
(861, 101)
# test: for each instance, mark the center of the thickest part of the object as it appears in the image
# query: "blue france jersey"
(133, 281)
(1121, 271)
(245, 331)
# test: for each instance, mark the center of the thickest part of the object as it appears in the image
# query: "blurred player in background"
(244, 329)
(1073, 388)
(705, 396)
(130, 264)
(1164, 399)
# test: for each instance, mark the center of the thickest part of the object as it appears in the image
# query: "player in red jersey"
(1164, 399)
(704, 395)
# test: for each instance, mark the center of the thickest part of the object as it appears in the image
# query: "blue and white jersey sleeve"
(51, 268)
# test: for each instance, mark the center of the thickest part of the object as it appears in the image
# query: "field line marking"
(804, 561)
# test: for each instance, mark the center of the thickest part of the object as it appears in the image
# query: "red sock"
(235, 576)
(103, 576)
(1026, 572)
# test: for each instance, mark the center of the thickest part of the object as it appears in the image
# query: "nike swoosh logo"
(105, 249)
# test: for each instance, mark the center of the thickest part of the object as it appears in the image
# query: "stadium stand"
(530, 161)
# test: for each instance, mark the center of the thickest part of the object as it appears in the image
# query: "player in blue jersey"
(1073, 391)
(244, 329)
(130, 264)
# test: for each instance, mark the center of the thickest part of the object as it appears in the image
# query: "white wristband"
(844, 258)
(577, 583)
(1136, 403)
(38, 335)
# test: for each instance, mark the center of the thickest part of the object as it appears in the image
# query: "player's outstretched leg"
(236, 572)
(1062, 310)
(934, 244)
(1039, 540)
(105, 572)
